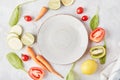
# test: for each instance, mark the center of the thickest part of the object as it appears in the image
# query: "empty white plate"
(62, 39)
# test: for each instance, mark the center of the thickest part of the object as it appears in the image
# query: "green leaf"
(70, 75)
(103, 59)
(15, 16)
(94, 22)
(15, 61)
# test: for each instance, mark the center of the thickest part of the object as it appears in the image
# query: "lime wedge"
(67, 2)
(54, 4)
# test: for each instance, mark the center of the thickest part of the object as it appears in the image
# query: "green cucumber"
(27, 39)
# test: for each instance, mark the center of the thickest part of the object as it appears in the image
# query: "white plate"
(62, 39)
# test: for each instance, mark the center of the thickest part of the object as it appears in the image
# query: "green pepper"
(97, 52)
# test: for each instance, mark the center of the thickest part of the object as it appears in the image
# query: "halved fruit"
(67, 2)
(17, 29)
(97, 52)
(28, 39)
(11, 35)
(54, 4)
(15, 43)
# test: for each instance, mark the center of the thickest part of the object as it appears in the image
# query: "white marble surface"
(109, 12)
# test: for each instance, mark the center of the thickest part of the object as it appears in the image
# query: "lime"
(67, 2)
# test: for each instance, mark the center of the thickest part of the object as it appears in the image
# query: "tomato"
(97, 35)
(28, 18)
(36, 73)
(84, 18)
(80, 10)
(25, 57)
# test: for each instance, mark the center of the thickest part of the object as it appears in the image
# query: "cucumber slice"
(11, 35)
(28, 39)
(17, 29)
(67, 2)
(15, 43)
(54, 4)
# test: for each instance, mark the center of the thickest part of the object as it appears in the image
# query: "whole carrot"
(47, 64)
(33, 56)
(42, 13)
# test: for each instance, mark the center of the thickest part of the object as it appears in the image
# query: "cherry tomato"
(80, 10)
(36, 73)
(25, 57)
(28, 18)
(84, 18)
(97, 35)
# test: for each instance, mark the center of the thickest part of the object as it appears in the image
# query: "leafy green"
(16, 14)
(70, 75)
(15, 61)
(103, 59)
(94, 22)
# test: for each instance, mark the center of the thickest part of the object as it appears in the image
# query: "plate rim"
(66, 15)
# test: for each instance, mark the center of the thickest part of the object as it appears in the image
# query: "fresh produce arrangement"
(17, 38)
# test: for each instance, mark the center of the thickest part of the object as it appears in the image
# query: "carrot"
(33, 56)
(47, 64)
(42, 13)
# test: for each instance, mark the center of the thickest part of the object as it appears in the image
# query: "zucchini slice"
(28, 39)
(15, 43)
(17, 29)
(67, 2)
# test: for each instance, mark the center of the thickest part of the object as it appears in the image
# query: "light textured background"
(109, 12)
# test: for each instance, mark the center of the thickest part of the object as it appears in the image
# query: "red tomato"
(28, 18)
(84, 18)
(80, 10)
(97, 35)
(25, 57)
(36, 73)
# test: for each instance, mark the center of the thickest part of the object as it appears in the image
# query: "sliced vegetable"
(47, 64)
(12, 35)
(27, 39)
(25, 57)
(33, 56)
(94, 22)
(70, 75)
(84, 18)
(15, 43)
(28, 18)
(17, 29)
(97, 35)
(67, 2)
(79, 10)
(42, 13)
(54, 4)
(97, 52)
(36, 73)
(15, 61)
(15, 16)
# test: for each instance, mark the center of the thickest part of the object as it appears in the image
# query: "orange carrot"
(42, 13)
(33, 56)
(47, 64)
